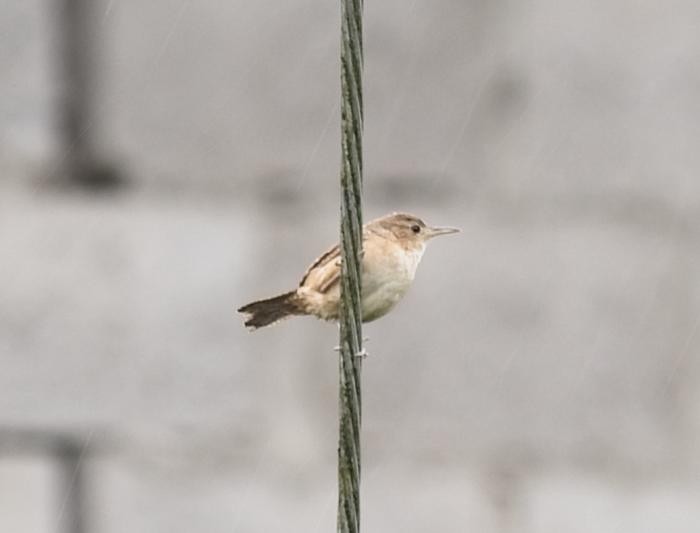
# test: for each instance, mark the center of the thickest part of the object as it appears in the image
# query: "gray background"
(541, 375)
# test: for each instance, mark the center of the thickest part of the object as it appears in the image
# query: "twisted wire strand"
(350, 398)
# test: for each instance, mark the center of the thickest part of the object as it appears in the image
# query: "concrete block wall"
(541, 375)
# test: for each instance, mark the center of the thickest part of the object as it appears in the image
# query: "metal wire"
(350, 400)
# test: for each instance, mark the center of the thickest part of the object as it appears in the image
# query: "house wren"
(392, 248)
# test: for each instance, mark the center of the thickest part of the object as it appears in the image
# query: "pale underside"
(387, 273)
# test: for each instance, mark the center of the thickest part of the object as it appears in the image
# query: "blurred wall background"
(542, 374)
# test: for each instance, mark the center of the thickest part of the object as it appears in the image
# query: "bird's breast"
(388, 272)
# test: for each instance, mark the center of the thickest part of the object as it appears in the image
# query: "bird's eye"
(415, 228)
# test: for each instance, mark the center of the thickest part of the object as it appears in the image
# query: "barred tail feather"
(265, 312)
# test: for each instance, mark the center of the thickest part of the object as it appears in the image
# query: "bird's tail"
(265, 312)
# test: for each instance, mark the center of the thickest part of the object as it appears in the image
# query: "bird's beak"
(434, 232)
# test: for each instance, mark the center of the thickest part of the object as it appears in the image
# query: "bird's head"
(409, 229)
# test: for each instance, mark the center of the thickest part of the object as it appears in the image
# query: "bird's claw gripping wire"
(362, 353)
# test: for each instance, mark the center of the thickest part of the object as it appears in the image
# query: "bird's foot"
(362, 353)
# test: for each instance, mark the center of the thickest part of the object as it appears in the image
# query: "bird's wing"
(324, 272)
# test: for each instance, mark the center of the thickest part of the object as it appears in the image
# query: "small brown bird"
(392, 248)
